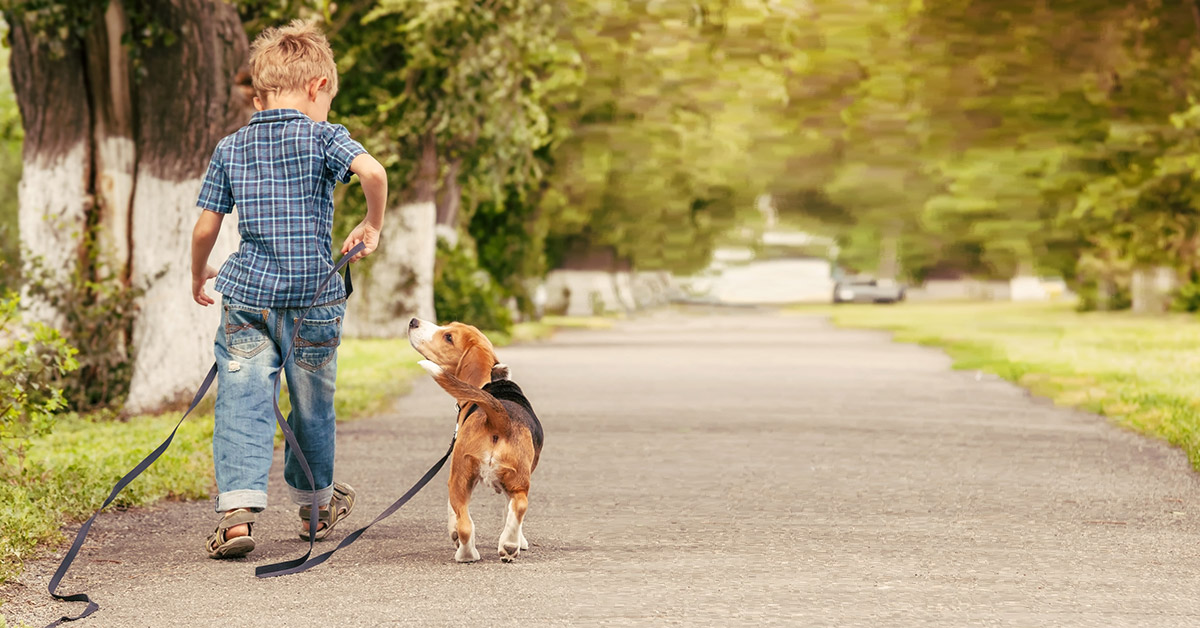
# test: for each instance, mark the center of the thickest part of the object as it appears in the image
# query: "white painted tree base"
(395, 283)
(51, 221)
(173, 336)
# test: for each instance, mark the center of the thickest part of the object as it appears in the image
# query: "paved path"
(714, 470)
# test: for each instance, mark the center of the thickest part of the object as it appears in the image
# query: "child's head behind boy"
(292, 68)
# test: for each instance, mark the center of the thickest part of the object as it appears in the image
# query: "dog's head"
(459, 349)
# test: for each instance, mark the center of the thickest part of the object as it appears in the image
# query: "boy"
(280, 171)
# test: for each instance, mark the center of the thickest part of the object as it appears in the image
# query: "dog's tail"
(464, 393)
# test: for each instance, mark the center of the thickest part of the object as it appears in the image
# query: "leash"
(297, 566)
(288, 435)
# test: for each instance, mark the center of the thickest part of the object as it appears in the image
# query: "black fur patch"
(510, 395)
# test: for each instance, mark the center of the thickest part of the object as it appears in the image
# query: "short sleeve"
(340, 151)
(215, 193)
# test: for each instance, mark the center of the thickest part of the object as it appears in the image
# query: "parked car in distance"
(867, 290)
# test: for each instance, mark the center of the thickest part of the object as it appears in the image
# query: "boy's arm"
(204, 236)
(373, 179)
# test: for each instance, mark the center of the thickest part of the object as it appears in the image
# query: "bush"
(1187, 296)
(31, 361)
(97, 319)
(462, 291)
(1112, 296)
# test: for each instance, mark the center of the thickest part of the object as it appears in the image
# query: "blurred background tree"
(968, 137)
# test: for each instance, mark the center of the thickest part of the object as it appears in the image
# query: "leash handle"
(288, 434)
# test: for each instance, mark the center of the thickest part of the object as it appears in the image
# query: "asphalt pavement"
(713, 468)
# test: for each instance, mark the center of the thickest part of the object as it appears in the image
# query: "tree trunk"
(450, 204)
(54, 194)
(187, 101)
(889, 252)
(396, 282)
(1151, 289)
(125, 157)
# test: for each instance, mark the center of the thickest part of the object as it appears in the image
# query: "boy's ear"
(258, 104)
(315, 86)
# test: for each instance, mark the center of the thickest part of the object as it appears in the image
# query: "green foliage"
(464, 292)
(33, 358)
(470, 80)
(1187, 297)
(509, 244)
(11, 136)
(642, 166)
(96, 317)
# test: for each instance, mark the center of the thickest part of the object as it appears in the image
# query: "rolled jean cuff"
(304, 498)
(243, 498)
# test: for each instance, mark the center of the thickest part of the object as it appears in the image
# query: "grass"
(68, 474)
(1141, 371)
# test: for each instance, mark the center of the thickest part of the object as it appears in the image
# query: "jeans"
(250, 345)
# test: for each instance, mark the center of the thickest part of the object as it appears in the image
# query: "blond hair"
(287, 58)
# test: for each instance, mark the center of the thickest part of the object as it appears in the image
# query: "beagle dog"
(499, 436)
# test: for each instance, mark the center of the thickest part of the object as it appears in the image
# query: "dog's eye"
(449, 338)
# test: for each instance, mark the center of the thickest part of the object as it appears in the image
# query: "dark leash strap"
(92, 607)
(296, 566)
(129, 477)
(292, 566)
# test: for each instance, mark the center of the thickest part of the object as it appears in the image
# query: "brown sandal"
(340, 505)
(221, 547)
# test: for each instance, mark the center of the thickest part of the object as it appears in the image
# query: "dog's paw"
(466, 553)
(432, 368)
(501, 371)
(509, 552)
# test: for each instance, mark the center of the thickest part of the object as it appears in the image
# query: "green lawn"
(68, 474)
(1140, 371)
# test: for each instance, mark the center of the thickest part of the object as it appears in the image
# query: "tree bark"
(450, 203)
(53, 194)
(124, 157)
(889, 252)
(189, 98)
(396, 282)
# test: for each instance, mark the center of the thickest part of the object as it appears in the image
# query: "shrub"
(462, 291)
(1187, 295)
(31, 362)
(97, 315)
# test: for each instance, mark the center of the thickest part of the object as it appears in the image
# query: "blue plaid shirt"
(280, 171)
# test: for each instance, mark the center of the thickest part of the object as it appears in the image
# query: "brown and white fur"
(492, 447)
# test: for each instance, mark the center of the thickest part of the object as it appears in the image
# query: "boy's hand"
(362, 233)
(198, 282)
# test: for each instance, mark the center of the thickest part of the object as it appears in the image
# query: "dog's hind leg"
(510, 540)
(516, 485)
(460, 497)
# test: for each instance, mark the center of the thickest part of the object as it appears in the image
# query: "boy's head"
(292, 61)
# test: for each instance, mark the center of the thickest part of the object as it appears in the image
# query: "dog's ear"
(475, 366)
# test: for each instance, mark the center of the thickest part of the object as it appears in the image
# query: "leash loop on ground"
(69, 558)
(291, 567)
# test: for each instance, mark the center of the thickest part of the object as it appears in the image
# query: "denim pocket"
(246, 333)
(317, 342)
